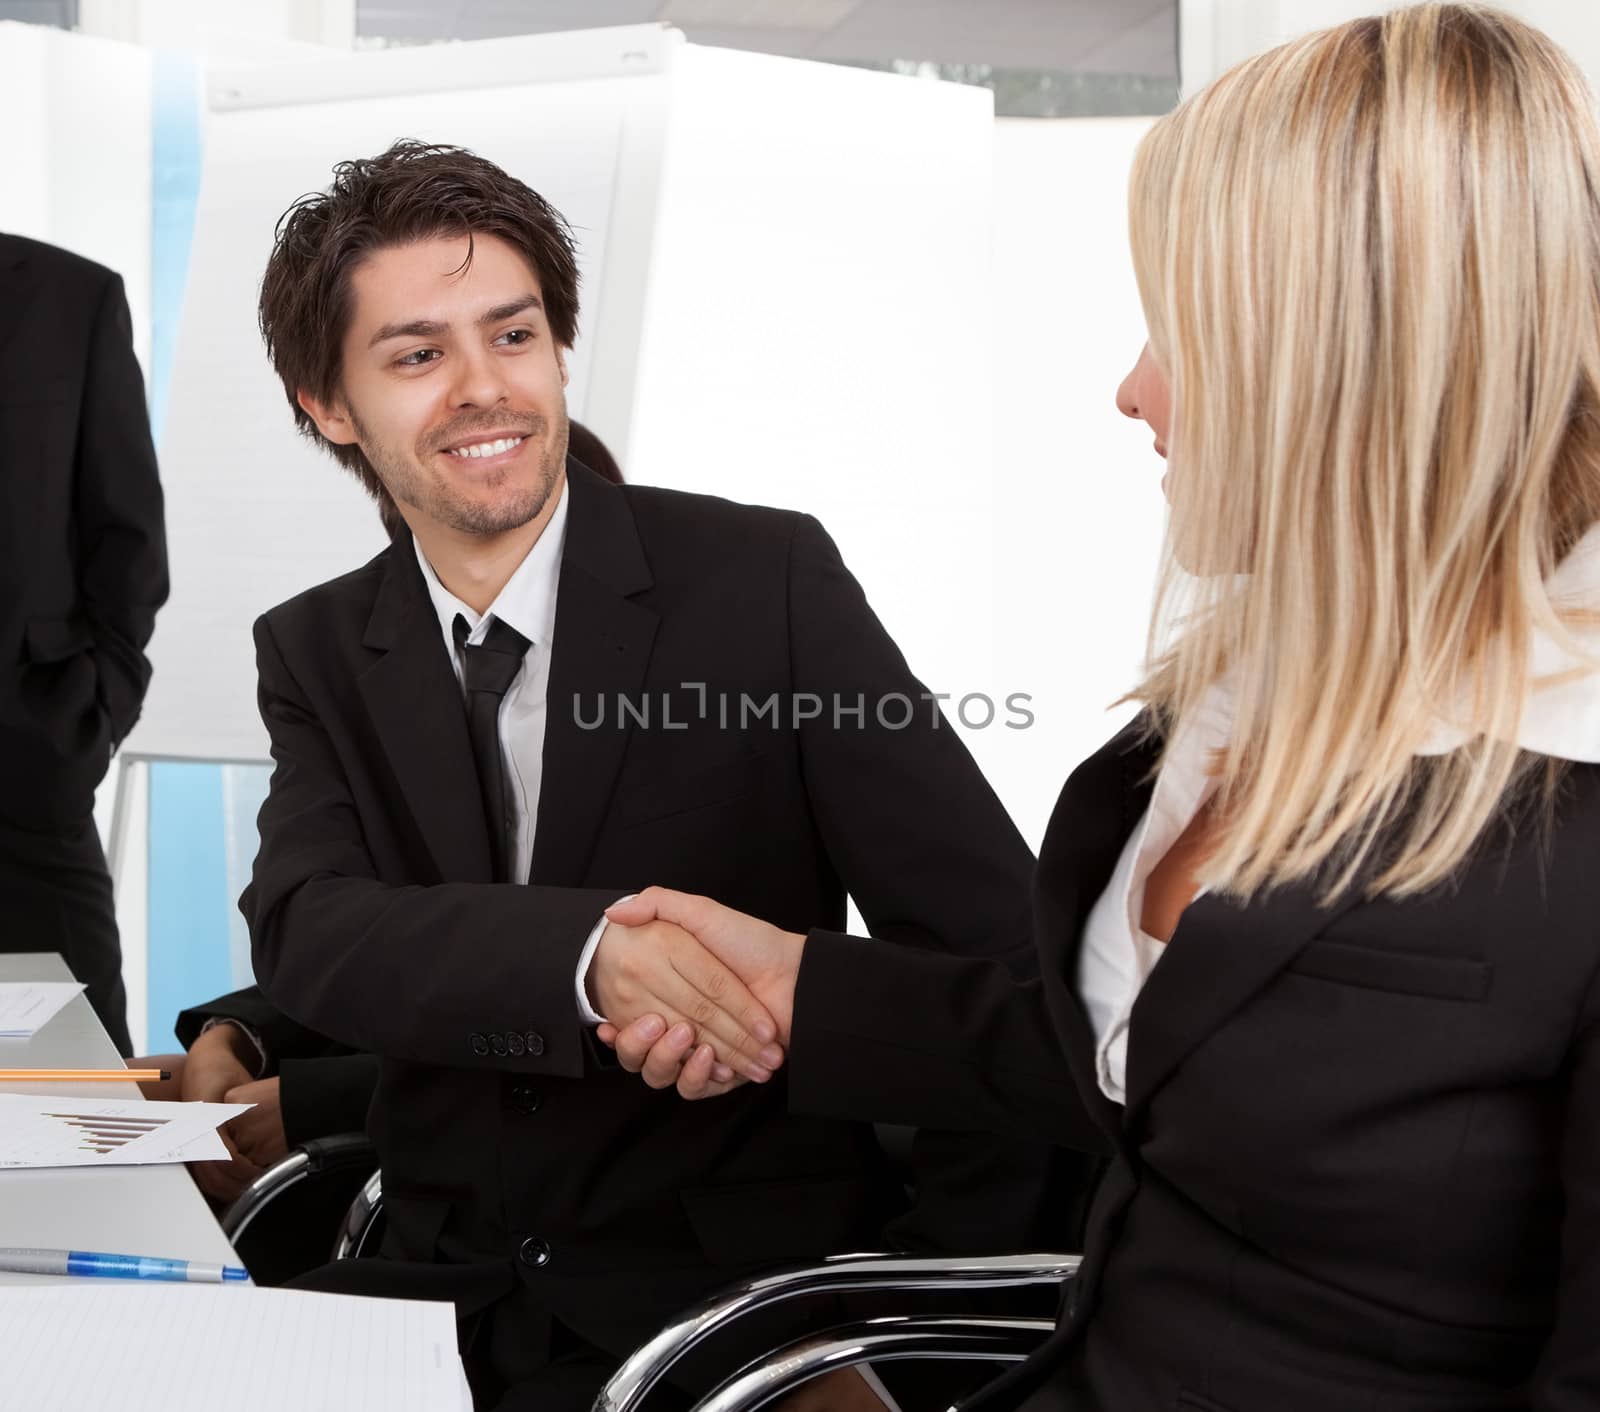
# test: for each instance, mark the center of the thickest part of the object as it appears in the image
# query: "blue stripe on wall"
(175, 147)
(189, 906)
(189, 902)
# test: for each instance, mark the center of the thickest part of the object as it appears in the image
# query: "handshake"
(694, 994)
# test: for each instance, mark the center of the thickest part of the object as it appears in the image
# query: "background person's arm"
(117, 512)
(325, 1086)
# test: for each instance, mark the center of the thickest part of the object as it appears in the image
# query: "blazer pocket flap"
(661, 795)
(764, 1222)
(56, 639)
(1443, 977)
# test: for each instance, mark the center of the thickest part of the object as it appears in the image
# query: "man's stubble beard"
(410, 484)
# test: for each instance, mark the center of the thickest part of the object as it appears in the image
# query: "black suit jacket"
(1359, 1165)
(501, 1125)
(82, 553)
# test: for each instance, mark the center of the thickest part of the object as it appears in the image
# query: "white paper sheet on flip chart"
(154, 1348)
(26, 1007)
(44, 1131)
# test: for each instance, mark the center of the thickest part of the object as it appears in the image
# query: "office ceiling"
(1123, 37)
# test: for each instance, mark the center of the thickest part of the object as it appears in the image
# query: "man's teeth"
(487, 448)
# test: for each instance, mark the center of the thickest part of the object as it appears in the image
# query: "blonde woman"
(1319, 934)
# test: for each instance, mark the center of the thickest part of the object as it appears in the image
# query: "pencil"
(81, 1075)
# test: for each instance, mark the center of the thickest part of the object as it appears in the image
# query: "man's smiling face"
(452, 384)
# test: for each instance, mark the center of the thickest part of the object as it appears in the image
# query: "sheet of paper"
(27, 1006)
(205, 1148)
(154, 1348)
(45, 1131)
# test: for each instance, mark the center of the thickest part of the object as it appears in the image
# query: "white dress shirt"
(1561, 720)
(528, 604)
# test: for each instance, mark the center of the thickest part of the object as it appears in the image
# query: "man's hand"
(258, 1135)
(656, 968)
(665, 1059)
(220, 1061)
(764, 957)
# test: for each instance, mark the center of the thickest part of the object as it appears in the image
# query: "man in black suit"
(300, 1085)
(83, 570)
(685, 691)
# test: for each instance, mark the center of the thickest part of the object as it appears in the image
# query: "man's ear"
(561, 362)
(332, 418)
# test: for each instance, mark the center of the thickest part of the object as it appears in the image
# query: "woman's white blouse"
(1117, 954)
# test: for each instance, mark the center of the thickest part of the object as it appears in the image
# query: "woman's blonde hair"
(1370, 263)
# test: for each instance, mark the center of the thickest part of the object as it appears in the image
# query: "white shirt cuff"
(249, 1034)
(586, 1011)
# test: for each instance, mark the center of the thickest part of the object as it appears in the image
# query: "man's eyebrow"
(510, 309)
(432, 328)
(417, 328)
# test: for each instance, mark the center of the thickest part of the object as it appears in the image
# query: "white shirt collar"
(528, 600)
(1561, 718)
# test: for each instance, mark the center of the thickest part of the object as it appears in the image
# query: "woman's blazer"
(1359, 1166)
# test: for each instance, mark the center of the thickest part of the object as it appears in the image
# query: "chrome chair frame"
(876, 1341)
(355, 1231)
(651, 1362)
(323, 1154)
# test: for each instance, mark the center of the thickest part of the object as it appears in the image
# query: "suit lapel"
(1222, 953)
(602, 649)
(414, 700)
(1099, 806)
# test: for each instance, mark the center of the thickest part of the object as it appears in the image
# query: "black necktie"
(487, 673)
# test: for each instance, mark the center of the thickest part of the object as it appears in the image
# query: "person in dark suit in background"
(432, 876)
(83, 569)
(1319, 933)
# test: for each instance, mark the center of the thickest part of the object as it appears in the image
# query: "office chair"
(877, 1338)
(319, 1178)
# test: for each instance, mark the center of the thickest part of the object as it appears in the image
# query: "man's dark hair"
(584, 446)
(414, 191)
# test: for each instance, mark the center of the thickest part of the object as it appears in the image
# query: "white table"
(129, 1210)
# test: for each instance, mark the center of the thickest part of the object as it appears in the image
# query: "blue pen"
(118, 1267)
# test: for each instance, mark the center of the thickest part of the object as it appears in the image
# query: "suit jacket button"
(497, 1042)
(534, 1253)
(516, 1044)
(535, 1043)
(480, 1045)
(525, 1098)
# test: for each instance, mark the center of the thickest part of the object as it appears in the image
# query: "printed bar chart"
(39, 1130)
(107, 1134)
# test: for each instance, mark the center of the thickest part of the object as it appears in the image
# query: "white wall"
(1079, 513)
(75, 169)
(817, 330)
